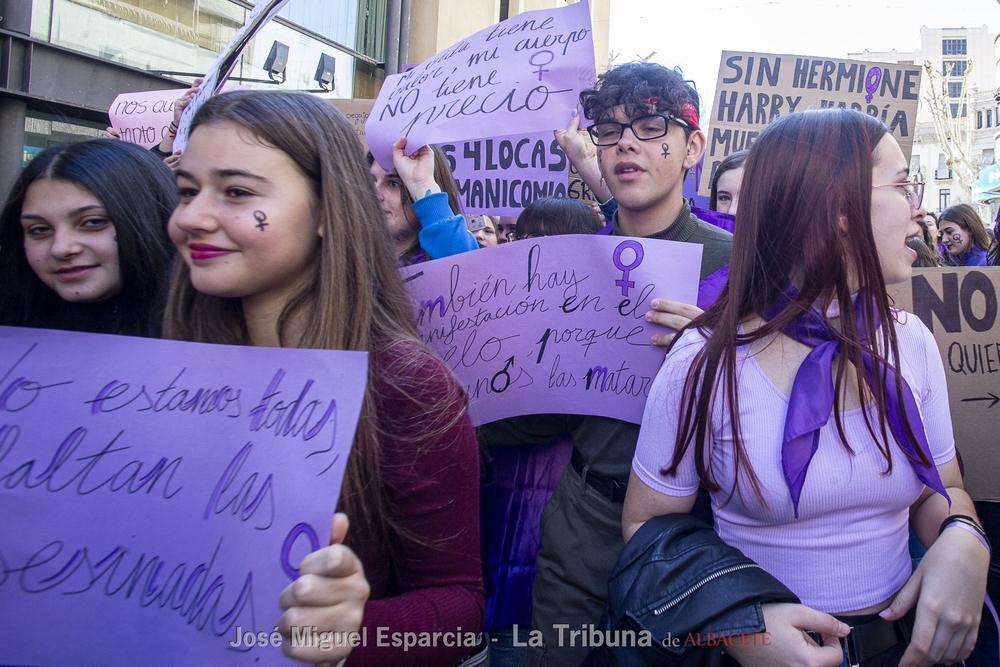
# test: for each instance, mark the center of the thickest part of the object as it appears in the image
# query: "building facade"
(951, 51)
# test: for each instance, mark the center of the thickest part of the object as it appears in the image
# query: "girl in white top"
(815, 414)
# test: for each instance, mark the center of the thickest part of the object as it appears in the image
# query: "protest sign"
(756, 88)
(523, 74)
(503, 175)
(959, 306)
(157, 496)
(553, 325)
(357, 111)
(223, 66)
(144, 118)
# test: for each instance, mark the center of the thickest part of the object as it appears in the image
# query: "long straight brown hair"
(356, 299)
(805, 175)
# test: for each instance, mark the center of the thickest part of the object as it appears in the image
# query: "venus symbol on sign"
(302, 528)
(541, 66)
(635, 247)
(871, 82)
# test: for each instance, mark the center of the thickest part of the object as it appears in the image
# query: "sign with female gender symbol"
(553, 325)
(165, 489)
(541, 65)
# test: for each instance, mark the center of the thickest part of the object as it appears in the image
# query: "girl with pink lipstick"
(284, 245)
(83, 244)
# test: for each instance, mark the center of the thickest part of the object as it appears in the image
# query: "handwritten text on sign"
(756, 88)
(144, 118)
(553, 325)
(524, 74)
(960, 306)
(156, 495)
(501, 176)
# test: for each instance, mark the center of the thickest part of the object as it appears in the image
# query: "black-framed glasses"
(645, 128)
(913, 187)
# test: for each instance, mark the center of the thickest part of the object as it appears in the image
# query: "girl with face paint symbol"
(322, 274)
(964, 236)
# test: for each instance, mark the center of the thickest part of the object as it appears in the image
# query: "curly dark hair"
(642, 87)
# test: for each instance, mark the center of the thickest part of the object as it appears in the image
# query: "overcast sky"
(693, 34)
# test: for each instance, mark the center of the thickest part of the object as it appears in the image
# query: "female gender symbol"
(625, 283)
(541, 66)
(871, 82)
(290, 540)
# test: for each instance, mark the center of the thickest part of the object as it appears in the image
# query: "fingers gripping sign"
(674, 315)
(329, 592)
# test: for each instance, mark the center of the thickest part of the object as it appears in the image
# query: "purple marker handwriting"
(636, 248)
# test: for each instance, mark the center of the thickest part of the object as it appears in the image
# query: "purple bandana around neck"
(811, 402)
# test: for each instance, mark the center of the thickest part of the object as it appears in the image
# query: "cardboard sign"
(756, 88)
(553, 325)
(503, 175)
(157, 496)
(223, 66)
(357, 111)
(960, 307)
(524, 74)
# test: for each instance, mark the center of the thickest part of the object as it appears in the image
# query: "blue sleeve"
(975, 256)
(444, 233)
(609, 208)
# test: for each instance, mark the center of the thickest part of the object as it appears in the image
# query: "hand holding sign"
(330, 595)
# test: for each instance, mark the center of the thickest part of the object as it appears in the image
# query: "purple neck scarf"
(811, 402)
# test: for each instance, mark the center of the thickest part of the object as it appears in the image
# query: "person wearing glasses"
(964, 236)
(646, 134)
(817, 415)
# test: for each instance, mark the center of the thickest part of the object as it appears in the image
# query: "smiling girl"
(817, 416)
(284, 245)
(82, 240)
(964, 236)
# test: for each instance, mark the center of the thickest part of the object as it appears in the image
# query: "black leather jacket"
(680, 582)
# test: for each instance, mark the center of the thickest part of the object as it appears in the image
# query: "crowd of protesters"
(797, 412)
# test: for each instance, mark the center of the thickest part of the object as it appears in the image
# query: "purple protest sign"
(503, 175)
(157, 496)
(553, 325)
(524, 74)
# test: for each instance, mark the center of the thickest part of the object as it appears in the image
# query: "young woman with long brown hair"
(283, 245)
(816, 415)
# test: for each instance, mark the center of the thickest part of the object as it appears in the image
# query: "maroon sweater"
(435, 584)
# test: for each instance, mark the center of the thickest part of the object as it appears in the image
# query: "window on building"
(915, 164)
(953, 47)
(954, 111)
(944, 199)
(989, 118)
(955, 89)
(979, 120)
(504, 9)
(954, 67)
(942, 162)
(988, 157)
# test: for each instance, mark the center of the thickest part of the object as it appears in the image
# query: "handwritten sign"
(524, 74)
(553, 325)
(501, 176)
(755, 88)
(157, 496)
(143, 118)
(960, 307)
(357, 111)
(223, 66)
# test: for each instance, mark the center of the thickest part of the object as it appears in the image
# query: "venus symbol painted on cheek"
(260, 218)
(666, 150)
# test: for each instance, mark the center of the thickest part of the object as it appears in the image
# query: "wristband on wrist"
(969, 524)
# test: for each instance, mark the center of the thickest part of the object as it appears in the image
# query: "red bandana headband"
(689, 112)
